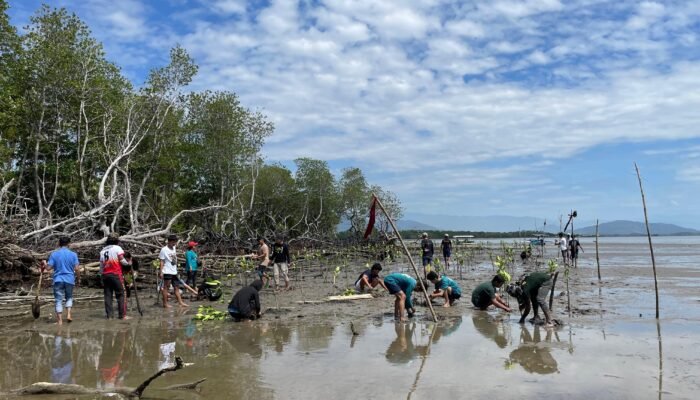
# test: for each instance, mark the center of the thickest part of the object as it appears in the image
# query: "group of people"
(569, 247)
(530, 291)
(428, 251)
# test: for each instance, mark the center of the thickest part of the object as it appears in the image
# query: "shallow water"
(475, 355)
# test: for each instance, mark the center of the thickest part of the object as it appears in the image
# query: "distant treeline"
(413, 234)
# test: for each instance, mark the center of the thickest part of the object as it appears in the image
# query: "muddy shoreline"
(619, 310)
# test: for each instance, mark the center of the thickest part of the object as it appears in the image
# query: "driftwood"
(49, 388)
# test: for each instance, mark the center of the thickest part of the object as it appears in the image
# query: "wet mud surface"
(610, 345)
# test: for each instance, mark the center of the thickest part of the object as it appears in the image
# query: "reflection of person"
(402, 286)
(534, 357)
(111, 358)
(490, 328)
(485, 294)
(246, 302)
(62, 360)
(533, 289)
(402, 349)
(445, 288)
(65, 265)
(369, 279)
(111, 262)
(446, 328)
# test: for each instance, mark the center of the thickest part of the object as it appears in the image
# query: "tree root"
(184, 386)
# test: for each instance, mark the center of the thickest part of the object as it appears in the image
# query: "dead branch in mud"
(49, 388)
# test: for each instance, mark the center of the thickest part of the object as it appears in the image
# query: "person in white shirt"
(563, 247)
(168, 271)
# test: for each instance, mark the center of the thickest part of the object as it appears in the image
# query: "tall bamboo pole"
(408, 254)
(597, 258)
(651, 247)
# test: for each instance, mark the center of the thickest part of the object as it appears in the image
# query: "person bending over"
(246, 302)
(485, 294)
(533, 289)
(402, 286)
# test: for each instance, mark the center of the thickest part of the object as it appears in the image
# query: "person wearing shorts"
(533, 289)
(402, 286)
(446, 250)
(168, 271)
(445, 288)
(370, 279)
(563, 247)
(280, 262)
(263, 256)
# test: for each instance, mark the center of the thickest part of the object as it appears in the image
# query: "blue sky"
(497, 107)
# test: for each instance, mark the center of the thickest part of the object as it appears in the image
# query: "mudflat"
(610, 345)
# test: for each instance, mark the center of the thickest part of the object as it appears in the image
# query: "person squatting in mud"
(485, 295)
(533, 289)
(444, 288)
(370, 279)
(245, 304)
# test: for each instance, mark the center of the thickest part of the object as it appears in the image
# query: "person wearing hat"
(191, 264)
(168, 271)
(446, 246)
(427, 251)
(112, 261)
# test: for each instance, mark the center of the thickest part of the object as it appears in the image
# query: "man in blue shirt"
(65, 264)
(402, 286)
(445, 288)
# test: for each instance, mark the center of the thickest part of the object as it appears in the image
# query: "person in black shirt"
(446, 251)
(281, 261)
(246, 302)
(427, 250)
(370, 279)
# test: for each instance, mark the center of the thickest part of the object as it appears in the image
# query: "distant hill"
(632, 228)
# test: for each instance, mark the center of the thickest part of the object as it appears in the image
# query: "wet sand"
(609, 347)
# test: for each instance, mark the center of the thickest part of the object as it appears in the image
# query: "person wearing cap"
(168, 271)
(427, 251)
(446, 246)
(191, 264)
(65, 265)
(112, 261)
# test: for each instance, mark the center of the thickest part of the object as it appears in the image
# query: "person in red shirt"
(111, 262)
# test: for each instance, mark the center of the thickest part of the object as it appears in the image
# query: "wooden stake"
(408, 254)
(597, 258)
(651, 247)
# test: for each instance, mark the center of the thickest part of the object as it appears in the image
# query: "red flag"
(372, 217)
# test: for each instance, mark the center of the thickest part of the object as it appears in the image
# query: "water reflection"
(534, 352)
(402, 349)
(62, 360)
(491, 328)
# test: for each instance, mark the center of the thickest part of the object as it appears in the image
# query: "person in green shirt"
(191, 264)
(402, 286)
(485, 295)
(445, 288)
(533, 288)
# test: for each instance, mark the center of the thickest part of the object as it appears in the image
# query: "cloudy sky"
(495, 107)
